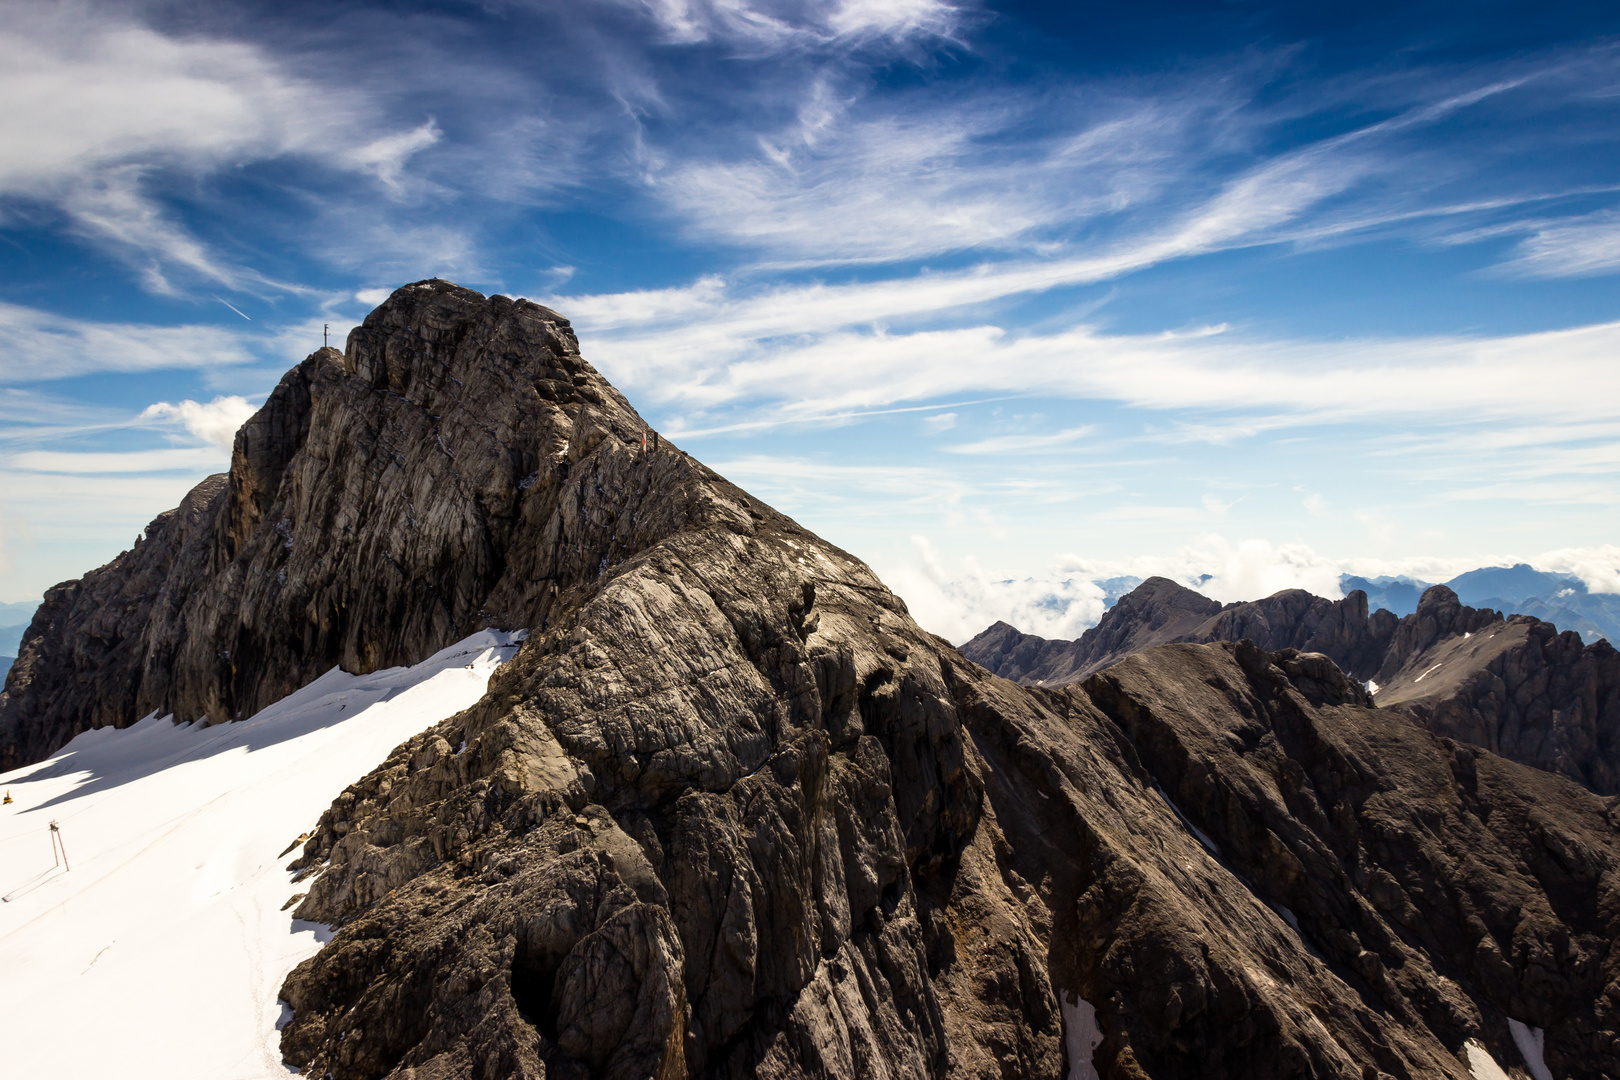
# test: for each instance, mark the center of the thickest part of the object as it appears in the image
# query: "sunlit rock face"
(730, 813)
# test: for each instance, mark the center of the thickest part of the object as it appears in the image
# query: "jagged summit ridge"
(1514, 685)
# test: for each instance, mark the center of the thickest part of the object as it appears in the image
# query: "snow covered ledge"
(161, 952)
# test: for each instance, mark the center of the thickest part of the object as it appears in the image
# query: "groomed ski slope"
(160, 953)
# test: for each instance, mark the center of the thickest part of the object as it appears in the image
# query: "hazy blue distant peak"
(14, 619)
(1513, 584)
(18, 614)
(1398, 594)
(1383, 581)
(1115, 587)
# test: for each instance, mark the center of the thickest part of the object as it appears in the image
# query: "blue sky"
(994, 296)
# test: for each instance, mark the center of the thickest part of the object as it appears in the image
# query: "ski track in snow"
(168, 929)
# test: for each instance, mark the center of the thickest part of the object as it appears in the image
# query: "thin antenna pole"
(57, 842)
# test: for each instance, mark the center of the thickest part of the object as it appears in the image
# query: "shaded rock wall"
(1453, 888)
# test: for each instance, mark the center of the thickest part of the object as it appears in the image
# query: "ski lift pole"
(56, 842)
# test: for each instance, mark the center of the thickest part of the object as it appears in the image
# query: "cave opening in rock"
(534, 975)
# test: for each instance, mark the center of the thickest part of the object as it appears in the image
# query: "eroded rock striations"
(1513, 685)
(730, 813)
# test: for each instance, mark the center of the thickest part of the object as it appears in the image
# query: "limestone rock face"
(1159, 612)
(385, 502)
(731, 813)
(1515, 686)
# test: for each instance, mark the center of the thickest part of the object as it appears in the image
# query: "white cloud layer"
(215, 423)
(1578, 247)
(957, 604)
(1597, 567)
(104, 112)
(1063, 601)
(804, 351)
(763, 25)
(92, 463)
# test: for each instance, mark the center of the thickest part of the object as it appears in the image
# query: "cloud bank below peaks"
(1062, 602)
(215, 423)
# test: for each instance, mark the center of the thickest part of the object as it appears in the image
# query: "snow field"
(161, 952)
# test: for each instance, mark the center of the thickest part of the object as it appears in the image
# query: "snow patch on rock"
(1480, 1062)
(1202, 837)
(1531, 1041)
(1081, 1035)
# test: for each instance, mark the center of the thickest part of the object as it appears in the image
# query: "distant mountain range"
(1516, 685)
(14, 620)
(1561, 599)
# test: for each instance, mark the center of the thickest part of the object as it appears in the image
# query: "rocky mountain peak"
(379, 506)
(729, 812)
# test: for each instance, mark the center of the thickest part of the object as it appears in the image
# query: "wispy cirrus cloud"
(1583, 246)
(1099, 169)
(850, 179)
(764, 25)
(179, 459)
(802, 352)
(106, 112)
(1022, 444)
(37, 345)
